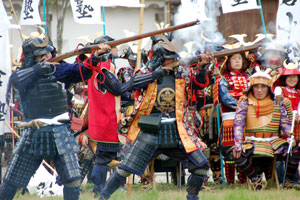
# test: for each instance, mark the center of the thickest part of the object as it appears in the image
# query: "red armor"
(104, 111)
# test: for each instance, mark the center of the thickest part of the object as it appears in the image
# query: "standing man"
(104, 98)
(44, 103)
(163, 122)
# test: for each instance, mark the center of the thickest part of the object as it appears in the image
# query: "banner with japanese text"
(229, 6)
(30, 13)
(5, 71)
(288, 25)
(86, 11)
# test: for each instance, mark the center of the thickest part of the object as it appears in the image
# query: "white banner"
(4, 21)
(5, 71)
(30, 13)
(229, 6)
(125, 3)
(86, 11)
(196, 7)
(288, 25)
(43, 184)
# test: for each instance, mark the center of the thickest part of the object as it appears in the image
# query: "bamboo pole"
(138, 59)
(16, 19)
(129, 185)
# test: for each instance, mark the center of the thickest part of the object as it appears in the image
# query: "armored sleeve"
(71, 73)
(285, 123)
(288, 106)
(239, 124)
(226, 98)
(137, 82)
(22, 78)
(111, 83)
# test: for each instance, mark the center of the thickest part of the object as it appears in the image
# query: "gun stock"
(122, 41)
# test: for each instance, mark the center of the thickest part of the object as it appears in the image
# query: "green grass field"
(170, 192)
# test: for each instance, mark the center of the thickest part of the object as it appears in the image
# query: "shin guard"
(194, 185)
(71, 193)
(98, 177)
(112, 184)
(7, 191)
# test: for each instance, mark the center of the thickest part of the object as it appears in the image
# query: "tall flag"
(86, 11)
(288, 25)
(229, 6)
(197, 7)
(4, 21)
(89, 11)
(43, 184)
(5, 71)
(30, 13)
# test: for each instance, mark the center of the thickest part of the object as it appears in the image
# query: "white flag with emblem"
(30, 13)
(288, 25)
(87, 11)
(229, 6)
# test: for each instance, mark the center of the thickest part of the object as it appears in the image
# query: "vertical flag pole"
(16, 19)
(103, 19)
(262, 20)
(45, 16)
(138, 59)
(217, 107)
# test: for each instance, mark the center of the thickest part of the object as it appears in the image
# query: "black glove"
(45, 69)
(155, 63)
(159, 73)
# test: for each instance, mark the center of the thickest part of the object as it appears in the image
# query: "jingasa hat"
(289, 68)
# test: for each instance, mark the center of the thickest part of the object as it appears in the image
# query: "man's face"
(273, 59)
(260, 91)
(169, 61)
(132, 63)
(114, 51)
(291, 80)
(46, 56)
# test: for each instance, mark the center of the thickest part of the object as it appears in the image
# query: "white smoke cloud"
(207, 13)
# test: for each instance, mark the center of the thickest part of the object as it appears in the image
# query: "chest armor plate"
(165, 100)
(46, 99)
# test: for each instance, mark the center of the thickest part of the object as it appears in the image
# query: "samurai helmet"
(261, 77)
(36, 46)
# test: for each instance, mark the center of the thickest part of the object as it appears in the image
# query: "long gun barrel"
(228, 52)
(217, 54)
(122, 41)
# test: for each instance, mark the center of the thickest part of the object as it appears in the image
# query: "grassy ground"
(170, 192)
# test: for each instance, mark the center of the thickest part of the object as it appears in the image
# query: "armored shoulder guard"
(23, 77)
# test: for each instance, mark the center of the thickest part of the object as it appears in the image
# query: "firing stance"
(104, 94)
(163, 102)
(44, 100)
